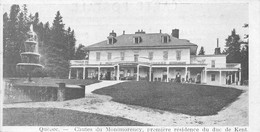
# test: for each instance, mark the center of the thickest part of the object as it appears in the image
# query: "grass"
(60, 117)
(191, 99)
(52, 82)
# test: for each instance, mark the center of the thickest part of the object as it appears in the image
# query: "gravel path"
(234, 115)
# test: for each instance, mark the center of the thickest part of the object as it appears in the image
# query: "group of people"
(178, 78)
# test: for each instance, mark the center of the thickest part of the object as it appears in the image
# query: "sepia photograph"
(125, 64)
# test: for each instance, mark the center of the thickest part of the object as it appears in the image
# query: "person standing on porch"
(187, 77)
(178, 78)
(198, 78)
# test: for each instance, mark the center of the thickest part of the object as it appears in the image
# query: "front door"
(108, 77)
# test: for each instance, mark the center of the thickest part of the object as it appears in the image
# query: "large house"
(153, 57)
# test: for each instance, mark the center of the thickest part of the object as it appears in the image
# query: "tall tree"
(233, 48)
(71, 44)
(57, 63)
(201, 52)
(244, 56)
(12, 42)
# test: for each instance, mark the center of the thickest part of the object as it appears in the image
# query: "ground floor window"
(213, 77)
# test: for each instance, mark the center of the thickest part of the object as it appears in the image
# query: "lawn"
(191, 99)
(60, 117)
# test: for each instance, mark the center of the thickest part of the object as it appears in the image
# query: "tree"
(233, 48)
(201, 52)
(244, 56)
(80, 53)
(12, 36)
(57, 64)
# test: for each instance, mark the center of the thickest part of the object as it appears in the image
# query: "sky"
(200, 23)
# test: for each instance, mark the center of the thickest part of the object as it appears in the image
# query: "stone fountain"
(31, 57)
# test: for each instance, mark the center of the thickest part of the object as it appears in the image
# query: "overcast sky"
(202, 24)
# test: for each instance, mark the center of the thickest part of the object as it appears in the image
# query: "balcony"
(233, 65)
(78, 62)
(224, 65)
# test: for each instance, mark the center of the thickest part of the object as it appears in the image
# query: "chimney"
(175, 33)
(112, 33)
(160, 31)
(217, 49)
(140, 32)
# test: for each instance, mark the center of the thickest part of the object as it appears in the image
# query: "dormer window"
(110, 40)
(165, 39)
(137, 40)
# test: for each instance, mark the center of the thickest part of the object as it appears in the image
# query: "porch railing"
(78, 62)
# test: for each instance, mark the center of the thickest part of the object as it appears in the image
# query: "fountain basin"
(30, 65)
(30, 53)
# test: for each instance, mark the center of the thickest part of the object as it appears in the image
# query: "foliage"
(233, 51)
(244, 56)
(237, 52)
(80, 53)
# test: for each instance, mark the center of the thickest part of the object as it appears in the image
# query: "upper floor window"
(137, 40)
(97, 56)
(178, 55)
(150, 56)
(165, 55)
(109, 55)
(213, 63)
(136, 57)
(165, 39)
(122, 55)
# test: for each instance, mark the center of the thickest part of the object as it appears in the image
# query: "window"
(212, 63)
(122, 55)
(137, 40)
(110, 41)
(150, 56)
(165, 39)
(136, 57)
(178, 55)
(97, 56)
(165, 55)
(109, 55)
(213, 77)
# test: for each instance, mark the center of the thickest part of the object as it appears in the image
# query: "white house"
(153, 57)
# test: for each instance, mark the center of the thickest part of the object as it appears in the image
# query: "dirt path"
(235, 114)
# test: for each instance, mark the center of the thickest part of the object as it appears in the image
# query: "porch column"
(117, 73)
(220, 78)
(84, 72)
(150, 74)
(77, 77)
(70, 73)
(205, 79)
(231, 78)
(186, 72)
(239, 72)
(236, 80)
(98, 73)
(167, 74)
(137, 75)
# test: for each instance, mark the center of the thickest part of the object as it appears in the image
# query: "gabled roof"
(150, 40)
